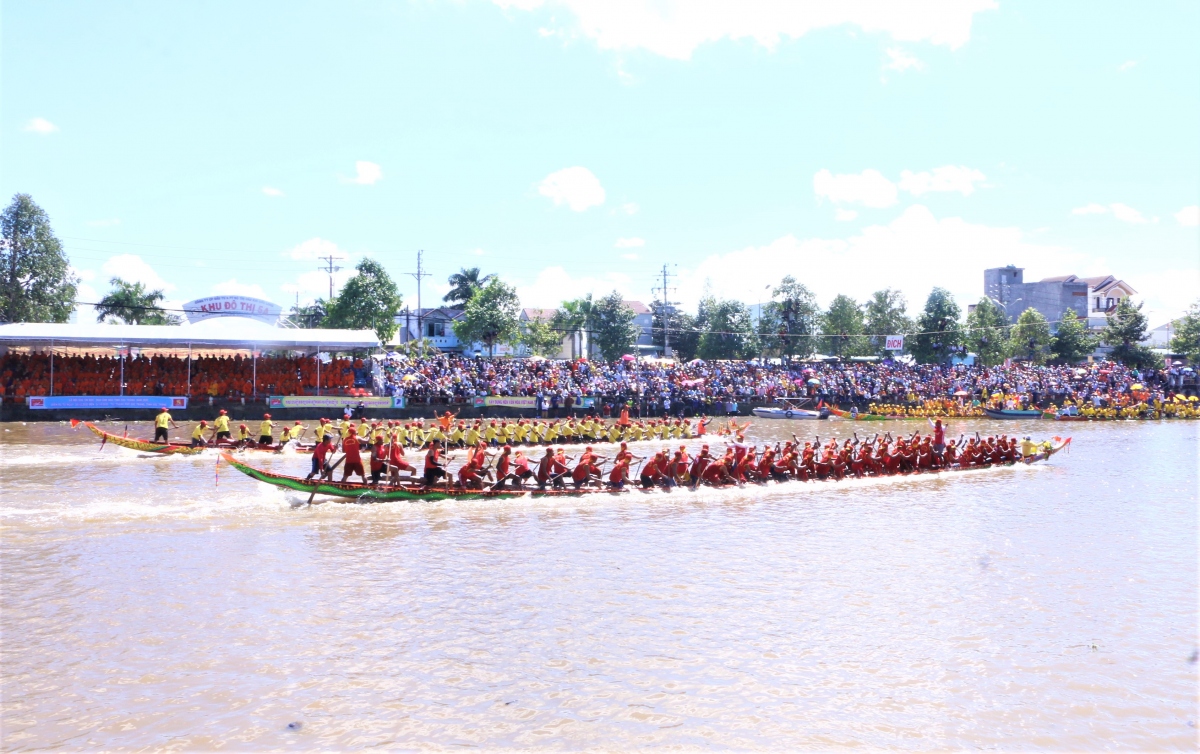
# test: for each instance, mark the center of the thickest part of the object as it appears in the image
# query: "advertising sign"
(508, 401)
(331, 401)
(894, 343)
(107, 401)
(231, 306)
(525, 401)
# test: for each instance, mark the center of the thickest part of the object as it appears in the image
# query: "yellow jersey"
(221, 423)
(163, 420)
(266, 429)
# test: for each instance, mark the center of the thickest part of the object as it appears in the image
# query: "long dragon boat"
(365, 493)
(172, 448)
(872, 417)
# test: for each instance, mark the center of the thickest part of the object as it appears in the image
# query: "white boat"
(788, 409)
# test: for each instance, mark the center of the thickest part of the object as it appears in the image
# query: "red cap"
(266, 416)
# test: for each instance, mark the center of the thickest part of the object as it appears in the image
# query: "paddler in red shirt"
(320, 453)
(619, 474)
(397, 462)
(353, 463)
(378, 460)
(434, 468)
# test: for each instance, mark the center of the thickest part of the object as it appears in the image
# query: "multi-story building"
(1092, 299)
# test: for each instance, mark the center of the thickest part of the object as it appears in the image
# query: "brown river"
(171, 604)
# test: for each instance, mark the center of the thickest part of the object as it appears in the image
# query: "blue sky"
(580, 145)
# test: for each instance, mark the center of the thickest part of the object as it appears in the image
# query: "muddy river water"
(171, 603)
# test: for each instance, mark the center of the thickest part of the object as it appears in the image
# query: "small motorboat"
(790, 409)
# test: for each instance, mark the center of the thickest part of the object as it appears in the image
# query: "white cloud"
(630, 208)
(83, 274)
(1127, 214)
(1189, 215)
(553, 285)
(946, 178)
(575, 187)
(844, 215)
(133, 269)
(232, 287)
(630, 257)
(478, 252)
(104, 223)
(40, 126)
(366, 173)
(1127, 65)
(675, 28)
(315, 284)
(1122, 212)
(869, 188)
(271, 191)
(315, 248)
(85, 292)
(913, 253)
(629, 243)
(899, 60)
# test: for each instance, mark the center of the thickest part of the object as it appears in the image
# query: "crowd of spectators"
(657, 386)
(28, 374)
(652, 386)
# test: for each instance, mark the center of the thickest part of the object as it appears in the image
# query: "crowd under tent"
(226, 335)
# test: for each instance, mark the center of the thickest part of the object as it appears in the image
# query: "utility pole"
(420, 273)
(330, 268)
(666, 309)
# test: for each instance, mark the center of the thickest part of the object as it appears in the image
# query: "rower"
(434, 468)
(353, 461)
(221, 427)
(161, 421)
(322, 451)
(1028, 447)
(266, 431)
(198, 434)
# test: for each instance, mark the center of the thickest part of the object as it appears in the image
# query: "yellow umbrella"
(1136, 386)
(1192, 398)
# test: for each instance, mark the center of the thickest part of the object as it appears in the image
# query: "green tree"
(541, 338)
(1127, 328)
(491, 316)
(1186, 340)
(463, 285)
(613, 329)
(1030, 337)
(842, 328)
(684, 337)
(37, 284)
(730, 333)
(886, 315)
(987, 332)
(368, 301)
(309, 316)
(132, 304)
(573, 318)
(1073, 341)
(938, 331)
(790, 322)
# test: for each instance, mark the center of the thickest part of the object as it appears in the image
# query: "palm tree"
(463, 285)
(575, 318)
(132, 304)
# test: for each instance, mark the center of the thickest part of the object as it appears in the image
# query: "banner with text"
(893, 343)
(107, 401)
(332, 401)
(525, 401)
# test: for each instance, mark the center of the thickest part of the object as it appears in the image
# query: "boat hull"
(786, 413)
(1005, 413)
(169, 448)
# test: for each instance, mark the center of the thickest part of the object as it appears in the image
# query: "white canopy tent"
(236, 333)
(218, 333)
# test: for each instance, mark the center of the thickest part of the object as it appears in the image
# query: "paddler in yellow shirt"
(614, 432)
(198, 434)
(471, 436)
(321, 429)
(221, 427)
(162, 421)
(266, 431)
(457, 435)
(1028, 447)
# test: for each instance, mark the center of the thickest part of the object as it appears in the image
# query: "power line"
(330, 268)
(418, 275)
